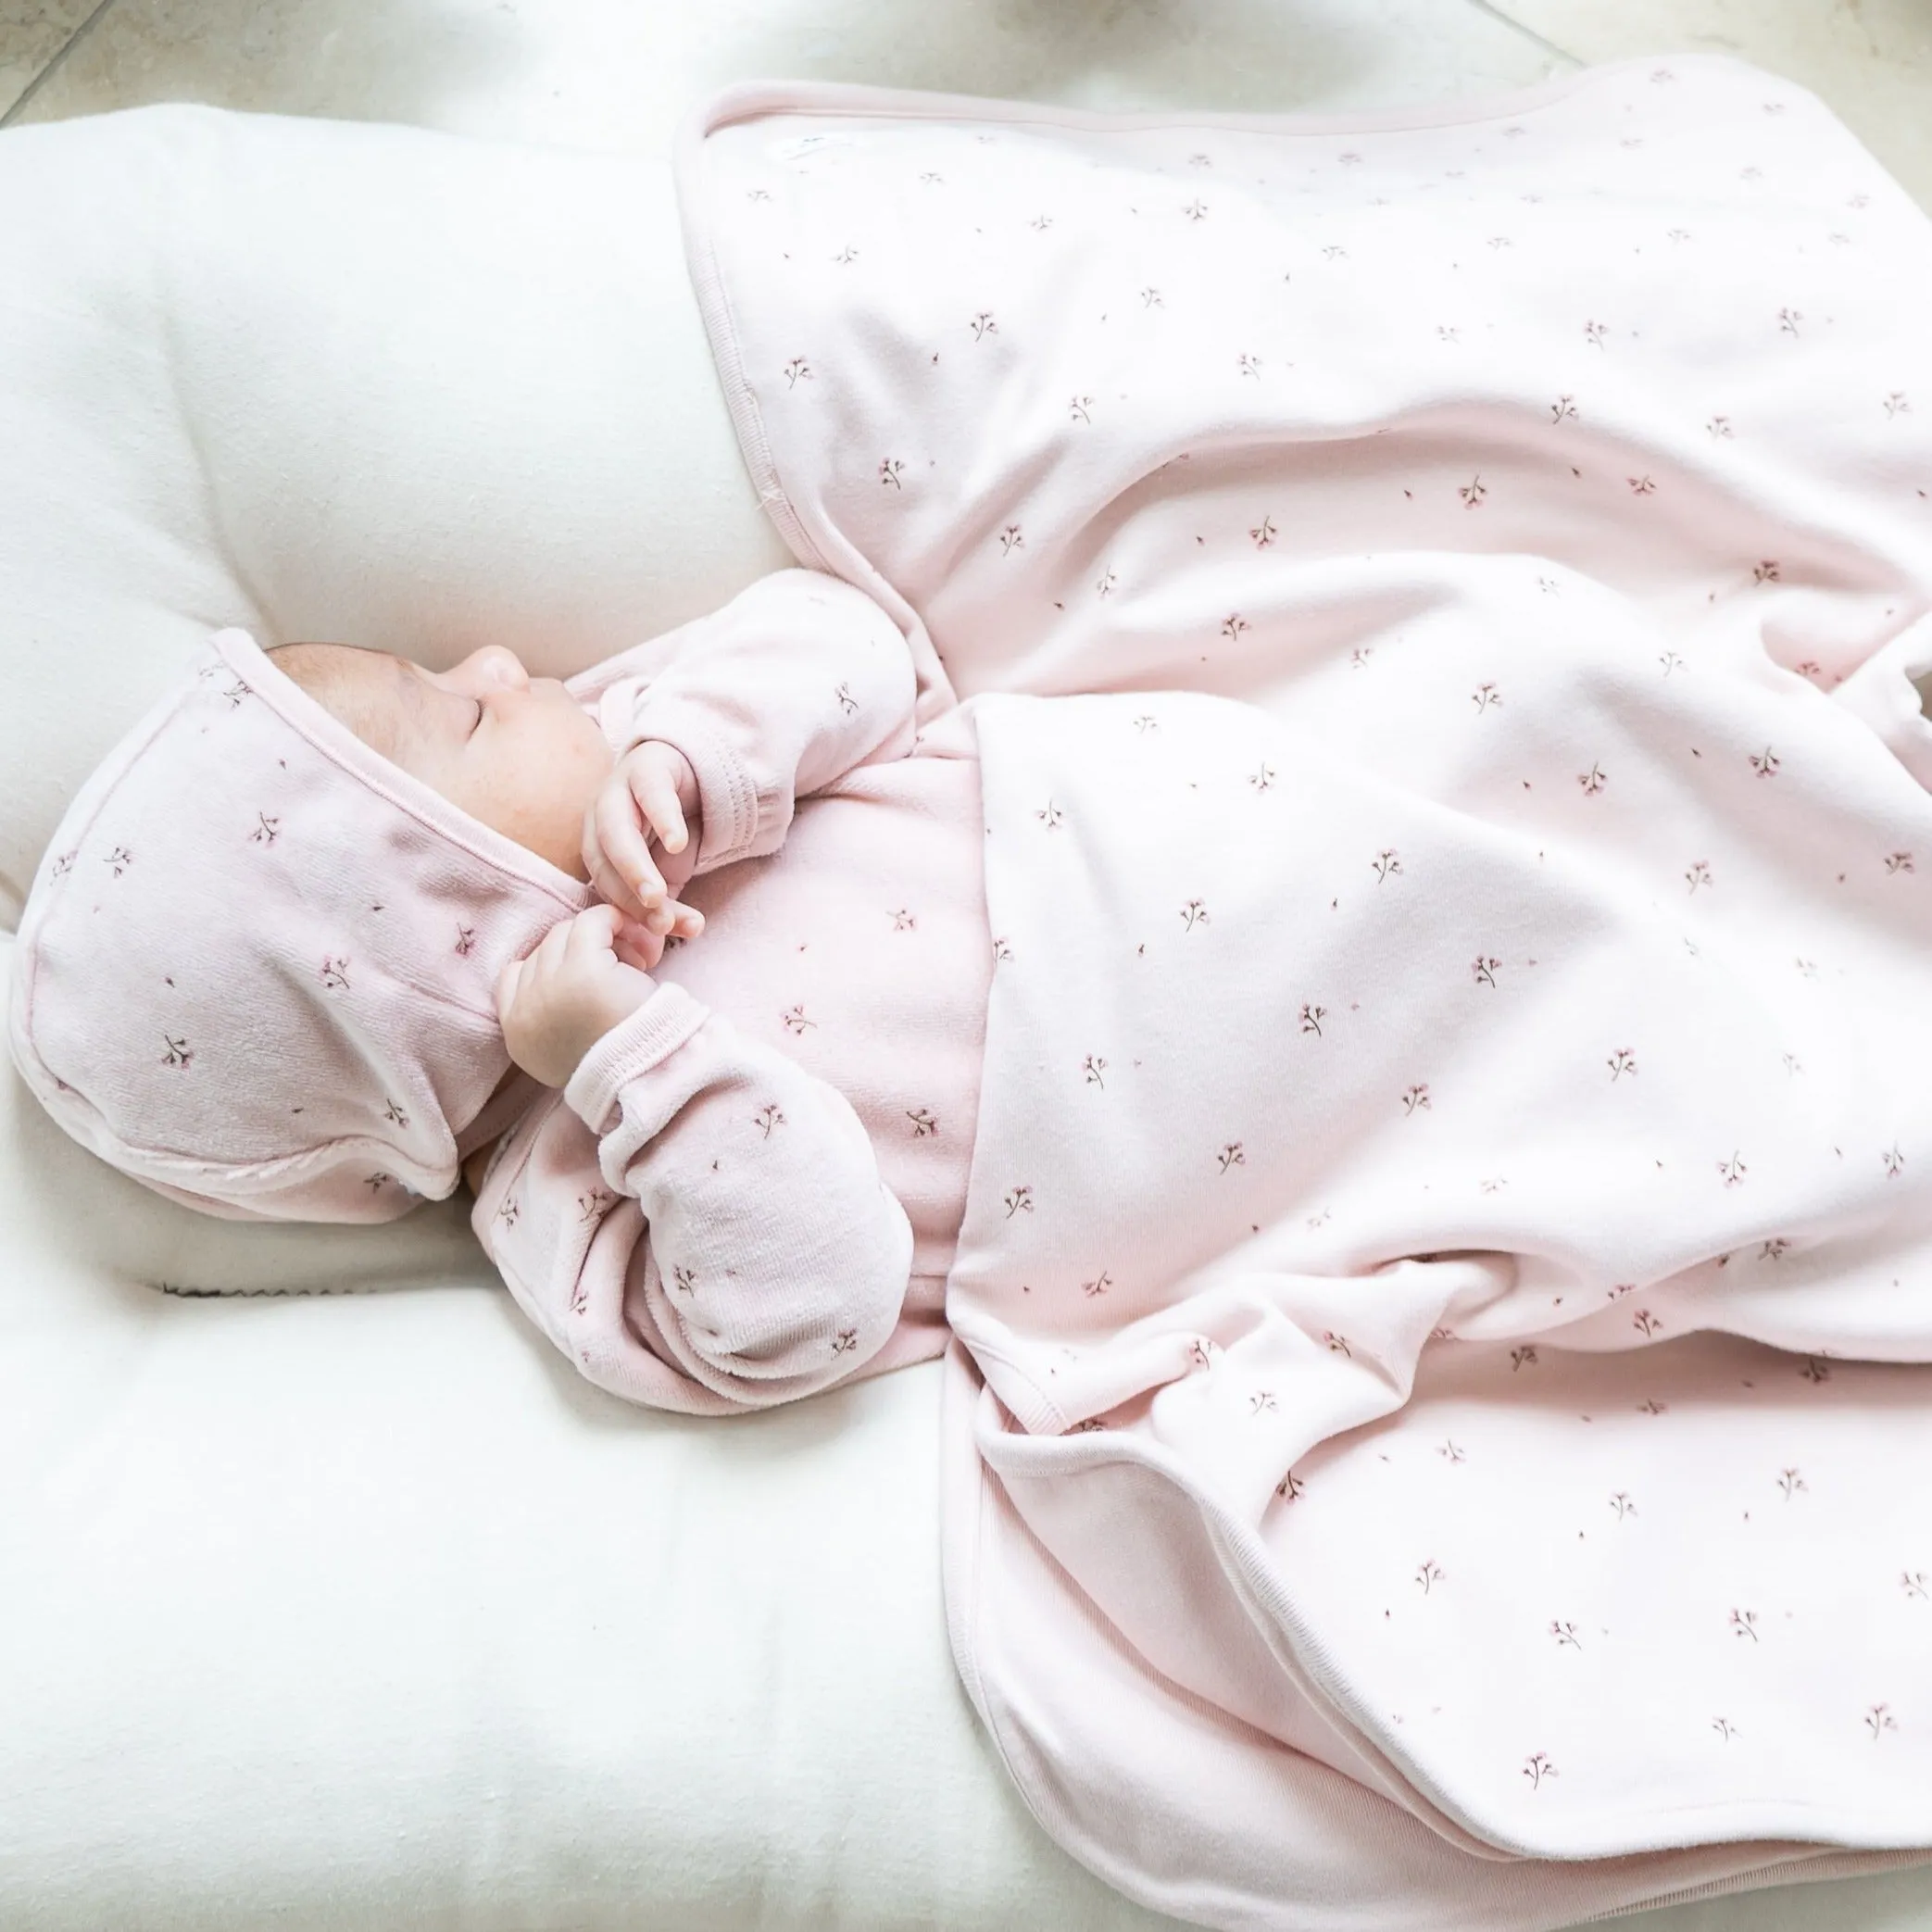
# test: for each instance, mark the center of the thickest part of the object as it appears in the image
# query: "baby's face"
(518, 752)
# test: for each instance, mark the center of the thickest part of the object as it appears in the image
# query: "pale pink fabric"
(751, 1189)
(1475, 938)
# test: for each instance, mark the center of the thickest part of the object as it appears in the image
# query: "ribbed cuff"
(727, 794)
(653, 1033)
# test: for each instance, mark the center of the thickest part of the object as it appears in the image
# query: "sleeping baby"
(685, 974)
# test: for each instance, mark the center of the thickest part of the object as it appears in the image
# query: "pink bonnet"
(257, 970)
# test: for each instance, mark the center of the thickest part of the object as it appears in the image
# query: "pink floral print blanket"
(1440, 1400)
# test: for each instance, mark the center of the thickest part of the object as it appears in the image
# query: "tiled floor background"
(615, 74)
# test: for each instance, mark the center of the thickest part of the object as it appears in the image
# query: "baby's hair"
(327, 673)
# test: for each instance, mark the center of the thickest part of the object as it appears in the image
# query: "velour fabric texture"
(256, 970)
(1438, 594)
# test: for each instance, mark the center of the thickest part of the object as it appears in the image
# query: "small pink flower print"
(1291, 1486)
(1350, 159)
(1077, 409)
(845, 1341)
(847, 254)
(1809, 968)
(1594, 332)
(1765, 572)
(1001, 950)
(591, 1206)
(1011, 539)
(903, 920)
(62, 866)
(684, 1280)
(267, 830)
(1622, 1504)
(179, 1054)
(1815, 1370)
(1233, 624)
(1894, 1161)
(1473, 492)
(1733, 1170)
(1878, 1719)
(1483, 696)
(1337, 1343)
(1620, 1063)
(757, 194)
(1652, 1406)
(1041, 222)
(1774, 1249)
(1193, 914)
(509, 1212)
(1495, 1182)
(1514, 131)
(236, 693)
(336, 972)
(1790, 1482)
(1789, 320)
(1563, 409)
(1645, 1323)
(1520, 1357)
(1485, 970)
(1093, 1066)
(1359, 658)
(1232, 1156)
(891, 473)
(1449, 1449)
(1264, 533)
(1429, 1575)
(1630, 141)
(1249, 365)
(1565, 1634)
(1897, 405)
(1261, 1401)
(795, 1022)
(1384, 863)
(1622, 1288)
(118, 861)
(1311, 1018)
(1199, 161)
(1200, 1352)
(1099, 1285)
(1500, 242)
(374, 1181)
(1699, 873)
(1774, 107)
(1050, 815)
(1912, 1582)
(923, 1122)
(768, 1117)
(1764, 763)
(1899, 863)
(1196, 210)
(1146, 722)
(797, 370)
(1019, 1200)
(580, 1297)
(1416, 1097)
(1724, 1727)
(1744, 1623)
(466, 939)
(1642, 486)
(1719, 426)
(983, 325)
(1671, 661)
(1263, 779)
(1319, 1219)
(1447, 332)
(396, 1115)
(932, 178)
(1150, 298)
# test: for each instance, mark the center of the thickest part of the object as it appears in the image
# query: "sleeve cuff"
(652, 1033)
(726, 791)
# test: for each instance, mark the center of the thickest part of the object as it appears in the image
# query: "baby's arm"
(795, 681)
(694, 1220)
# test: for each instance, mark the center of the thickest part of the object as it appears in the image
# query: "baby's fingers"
(655, 787)
(617, 854)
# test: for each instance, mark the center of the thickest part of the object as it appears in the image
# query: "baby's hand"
(653, 792)
(587, 974)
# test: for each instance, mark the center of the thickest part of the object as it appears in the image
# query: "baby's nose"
(502, 666)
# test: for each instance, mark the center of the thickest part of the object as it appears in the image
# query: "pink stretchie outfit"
(753, 1187)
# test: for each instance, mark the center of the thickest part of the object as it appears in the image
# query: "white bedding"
(309, 1612)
